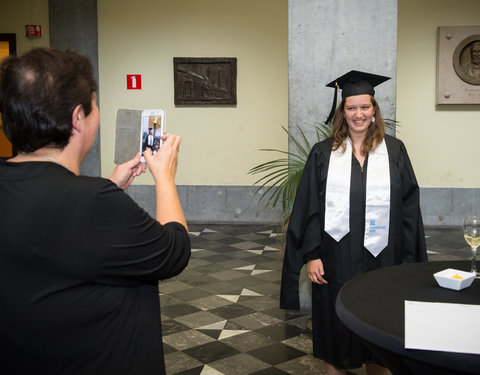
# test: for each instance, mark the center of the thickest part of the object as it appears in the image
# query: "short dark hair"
(38, 94)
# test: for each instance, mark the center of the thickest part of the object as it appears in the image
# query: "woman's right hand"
(315, 271)
(163, 165)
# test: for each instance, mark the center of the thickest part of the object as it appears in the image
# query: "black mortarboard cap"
(354, 83)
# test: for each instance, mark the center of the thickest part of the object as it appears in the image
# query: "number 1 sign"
(134, 81)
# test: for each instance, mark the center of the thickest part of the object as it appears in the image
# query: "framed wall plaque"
(458, 65)
(205, 80)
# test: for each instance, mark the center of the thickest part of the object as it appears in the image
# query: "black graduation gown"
(307, 240)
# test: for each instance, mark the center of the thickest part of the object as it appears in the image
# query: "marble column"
(73, 25)
(326, 39)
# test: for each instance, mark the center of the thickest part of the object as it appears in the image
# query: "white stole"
(337, 197)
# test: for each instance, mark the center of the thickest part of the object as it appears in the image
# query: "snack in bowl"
(454, 279)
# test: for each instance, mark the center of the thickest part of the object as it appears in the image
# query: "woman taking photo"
(80, 260)
(356, 209)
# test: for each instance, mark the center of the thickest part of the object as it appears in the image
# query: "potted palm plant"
(281, 176)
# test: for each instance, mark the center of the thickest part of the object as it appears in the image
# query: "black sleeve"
(414, 247)
(129, 247)
(304, 231)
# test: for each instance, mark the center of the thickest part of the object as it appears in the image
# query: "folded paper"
(449, 327)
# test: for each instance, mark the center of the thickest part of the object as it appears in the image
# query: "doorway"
(8, 47)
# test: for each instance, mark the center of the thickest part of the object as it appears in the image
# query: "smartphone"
(152, 129)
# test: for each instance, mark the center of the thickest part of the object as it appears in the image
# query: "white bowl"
(454, 279)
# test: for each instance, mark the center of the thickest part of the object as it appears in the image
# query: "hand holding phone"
(163, 164)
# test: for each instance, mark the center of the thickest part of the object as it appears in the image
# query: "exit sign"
(134, 81)
(33, 31)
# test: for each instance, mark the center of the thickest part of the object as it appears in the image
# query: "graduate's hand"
(123, 174)
(315, 271)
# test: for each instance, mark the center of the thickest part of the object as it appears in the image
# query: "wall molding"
(240, 204)
(213, 204)
(448, 206)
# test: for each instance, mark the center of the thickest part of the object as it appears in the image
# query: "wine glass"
(471, 232)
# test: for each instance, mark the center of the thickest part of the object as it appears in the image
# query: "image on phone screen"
(153, 127)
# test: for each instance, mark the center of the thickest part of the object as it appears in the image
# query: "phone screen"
(153, 127)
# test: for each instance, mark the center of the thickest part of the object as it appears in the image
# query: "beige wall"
(220, 144)
(15, 14)
(443, 141)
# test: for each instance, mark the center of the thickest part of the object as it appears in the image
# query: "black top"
(357, 83)
(80, 265)
(372, 305)
(354, 83)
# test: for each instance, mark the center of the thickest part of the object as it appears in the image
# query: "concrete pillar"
(328, 38)
(73, 25)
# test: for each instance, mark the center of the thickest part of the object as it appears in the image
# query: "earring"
(373, 118)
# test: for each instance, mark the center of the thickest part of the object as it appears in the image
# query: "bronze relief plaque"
(458, 65)
(466, 59)
(205, 80)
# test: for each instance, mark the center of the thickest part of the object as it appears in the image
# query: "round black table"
(372, 306)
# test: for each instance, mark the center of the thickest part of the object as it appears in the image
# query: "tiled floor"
(221, 315)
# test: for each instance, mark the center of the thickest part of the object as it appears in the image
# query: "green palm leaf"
(281, 176)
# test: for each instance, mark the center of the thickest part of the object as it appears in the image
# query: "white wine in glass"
(471, 232)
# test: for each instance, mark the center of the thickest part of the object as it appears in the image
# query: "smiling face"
(359, 111)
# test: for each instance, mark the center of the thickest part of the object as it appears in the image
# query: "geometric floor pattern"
(221, 314)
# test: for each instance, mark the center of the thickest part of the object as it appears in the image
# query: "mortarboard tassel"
(334, 105)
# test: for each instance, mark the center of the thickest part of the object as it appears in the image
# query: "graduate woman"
(356, 209)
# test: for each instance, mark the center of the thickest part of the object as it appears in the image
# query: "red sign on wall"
(134, 81)
(33, 31)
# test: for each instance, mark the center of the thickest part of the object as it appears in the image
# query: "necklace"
(44, 157)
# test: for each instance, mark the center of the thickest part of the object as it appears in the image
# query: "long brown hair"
(375, 132)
